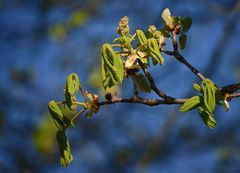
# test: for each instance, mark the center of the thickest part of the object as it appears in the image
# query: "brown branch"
(231, 88)
(181, 59)
(235, 95)
(152, 84)
(139, 100)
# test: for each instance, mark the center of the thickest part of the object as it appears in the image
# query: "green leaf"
(111, 67)
(141, 83)
(141, 37)
(166, 16)
(165, 32)
(73, 83)
(182, 41)
(61, 121)
(207, 117)
(177, 20)
(191, 103)
(126, 42)
(186, 24)
(118, 64)
(72, 87)
(197, 87)
(64, 147)
(154, 51)
(209, 91)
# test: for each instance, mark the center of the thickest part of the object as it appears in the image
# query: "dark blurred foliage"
(42, 41)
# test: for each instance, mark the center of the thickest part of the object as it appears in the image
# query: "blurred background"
(42, 41)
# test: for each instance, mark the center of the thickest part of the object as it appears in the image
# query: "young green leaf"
(207, 117)
(166, 16)
(182, 41)
(141, 83)
(118, 64)
(141, 37)
(72, 84)
(154, 51)
(64, 147)
(69, 100)
(186, 24)
(209, 91)
(61, 121)
(197, 87)
(191, 103)
(111, 67)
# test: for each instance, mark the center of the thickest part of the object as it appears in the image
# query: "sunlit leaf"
(166, 16)
(141, 37)
(197, 87)
(207, 117)
(154, 51)
(72, 84)
(61, 121)
(191, 103)
(111, 67)
(209, 91)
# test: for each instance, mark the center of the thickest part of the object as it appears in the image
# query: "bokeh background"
(42, 41)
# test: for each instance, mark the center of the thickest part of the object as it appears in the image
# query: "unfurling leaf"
(182, 41)
(64, 147)
(72, 84)
(71, 89)
(207, 117)
(111, 67)
(166, 16)
(209, 91)
(141, 37)
(141, 83)
(191, 103)
(197, 87)
(186, 24)
(154, 51)
(61, 121)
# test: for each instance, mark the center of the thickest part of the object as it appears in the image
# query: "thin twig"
(77, 114)
(235, 95)
(231, 88)
(139, 100)
(152, 83)
(181, 59)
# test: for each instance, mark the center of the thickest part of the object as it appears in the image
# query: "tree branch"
(180, 58)
(149, 102)
(152, 83)
(231, 88)
(235, 95)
